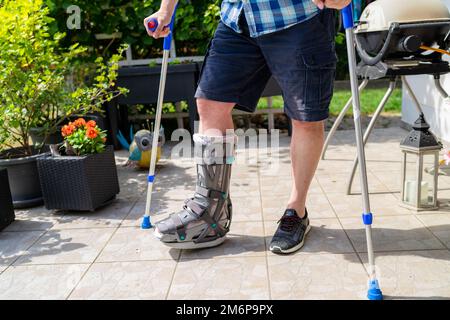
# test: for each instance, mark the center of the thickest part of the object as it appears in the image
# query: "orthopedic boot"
(205, 218)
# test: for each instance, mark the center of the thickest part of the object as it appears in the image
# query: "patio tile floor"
(105, 255)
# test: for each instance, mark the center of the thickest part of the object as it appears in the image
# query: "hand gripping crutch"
(374, 292)
(152, 25)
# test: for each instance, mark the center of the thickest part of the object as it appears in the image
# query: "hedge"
(195, 25)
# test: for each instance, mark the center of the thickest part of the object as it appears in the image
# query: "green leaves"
(41, 83)
(195, 24)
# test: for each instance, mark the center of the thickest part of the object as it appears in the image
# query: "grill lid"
(379, 15)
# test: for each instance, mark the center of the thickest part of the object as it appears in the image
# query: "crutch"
(152, 25)
(374, 292)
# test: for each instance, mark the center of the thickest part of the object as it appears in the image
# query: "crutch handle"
(152, 24)
(347, 16)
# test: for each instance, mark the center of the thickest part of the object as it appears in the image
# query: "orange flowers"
(67, 130)
(84, 137)
(90, 127)
(79, 123)
(91, 124)
(91, 133)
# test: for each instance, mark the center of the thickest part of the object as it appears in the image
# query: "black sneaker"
(291, 233)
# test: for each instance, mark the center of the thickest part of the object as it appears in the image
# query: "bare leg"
(214, 115)
(205, 218)
(306, 146)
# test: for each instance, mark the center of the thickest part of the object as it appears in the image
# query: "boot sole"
(193, 245)
(293, 249)
(190, 245)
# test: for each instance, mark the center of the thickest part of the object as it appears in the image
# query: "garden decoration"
(374, 292)
(141, 147)
(152, 25)
(81, 173)
(420, 150)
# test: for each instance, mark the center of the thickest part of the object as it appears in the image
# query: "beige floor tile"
(384, 167)
(245, 187)
(244, 239)
(280, 168)
(276, 186)
(108, 217)
(333, 165)
(34, 219)
(439, 225)
(43, 282)
(391, 179)
(138, 280)
(67, 246)
(414, 274)
(391, 233)
(326, 236)
(15, 244)
(383, 204)
(246, 208)
(132, 244)
(337, 183)
(236, 278)
(324, 276)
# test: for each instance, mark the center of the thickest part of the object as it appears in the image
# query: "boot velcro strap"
(179, 225)
(210, 193)
(195, 207)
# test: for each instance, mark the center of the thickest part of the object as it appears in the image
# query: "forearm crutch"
(152, 24)
(374, 292)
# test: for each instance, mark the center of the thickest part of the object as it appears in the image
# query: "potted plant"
(80, 174)
(41, 86)
(6, 206)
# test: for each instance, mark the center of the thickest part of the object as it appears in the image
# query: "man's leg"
(206, 217)
(306, 146)
(307, 84)
(214, 115)
(235, 71)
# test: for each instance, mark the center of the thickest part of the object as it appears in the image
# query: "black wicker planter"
(6, 205)
(79, 183)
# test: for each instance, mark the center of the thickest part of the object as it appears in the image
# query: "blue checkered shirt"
(266, 16)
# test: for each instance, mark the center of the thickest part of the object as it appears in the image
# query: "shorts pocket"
(318, 60)
(319, 70)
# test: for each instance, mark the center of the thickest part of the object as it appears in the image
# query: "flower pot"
(6, 205)
(23, 179)
(82, 183)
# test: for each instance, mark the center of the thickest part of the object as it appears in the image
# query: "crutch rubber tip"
(146, 224)
(374, 292)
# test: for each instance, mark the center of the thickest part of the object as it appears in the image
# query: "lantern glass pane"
(410, 182)
(428, 179)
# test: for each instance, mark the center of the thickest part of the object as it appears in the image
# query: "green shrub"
(41, 84)
(195, 24)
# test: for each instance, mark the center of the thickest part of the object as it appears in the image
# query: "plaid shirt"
(266, 16)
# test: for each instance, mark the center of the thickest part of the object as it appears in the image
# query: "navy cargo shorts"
(301, 58)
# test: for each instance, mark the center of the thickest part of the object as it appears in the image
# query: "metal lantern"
(420, 167)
